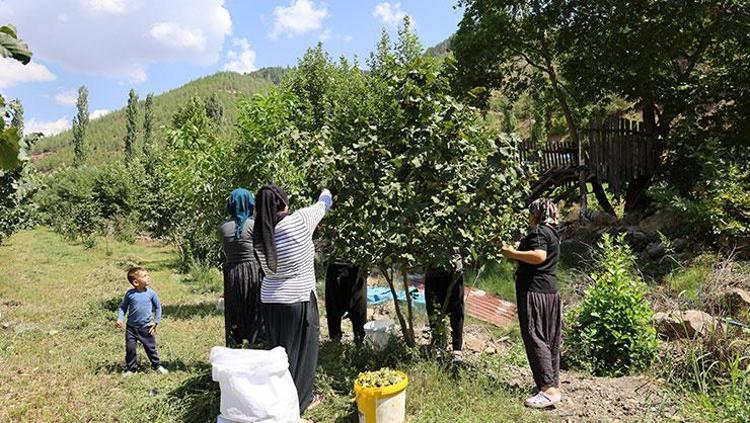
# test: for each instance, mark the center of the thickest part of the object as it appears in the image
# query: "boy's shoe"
(128, 373)
(162, 370)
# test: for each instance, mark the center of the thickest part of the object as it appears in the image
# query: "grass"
(686, 282)
(61, 356)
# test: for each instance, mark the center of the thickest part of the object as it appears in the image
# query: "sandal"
(542, 400)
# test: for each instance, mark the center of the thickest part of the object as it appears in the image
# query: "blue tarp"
(417, 298)
(378, 295)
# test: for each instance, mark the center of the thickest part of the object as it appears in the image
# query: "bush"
(610, 333)
(82, 202)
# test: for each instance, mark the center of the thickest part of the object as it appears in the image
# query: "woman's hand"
(508, 251)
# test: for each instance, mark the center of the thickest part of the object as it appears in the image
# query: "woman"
(539, 308)
(243, 317)
(283, 243)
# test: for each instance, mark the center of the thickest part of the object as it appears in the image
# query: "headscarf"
(240, 206)
(268, 213)
(544, 211)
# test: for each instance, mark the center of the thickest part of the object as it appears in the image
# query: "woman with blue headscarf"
(243, 317)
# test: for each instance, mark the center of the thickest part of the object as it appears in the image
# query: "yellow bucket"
(382, 405)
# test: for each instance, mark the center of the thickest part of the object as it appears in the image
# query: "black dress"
(243, 314)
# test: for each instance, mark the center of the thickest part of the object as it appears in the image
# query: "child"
(138, 303)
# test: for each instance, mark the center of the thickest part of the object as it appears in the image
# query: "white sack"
(256, 386)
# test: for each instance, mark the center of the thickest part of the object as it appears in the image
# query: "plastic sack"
(256, 386)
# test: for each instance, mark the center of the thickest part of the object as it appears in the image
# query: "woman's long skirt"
(243, 311)
(296, 328)
(541, 325)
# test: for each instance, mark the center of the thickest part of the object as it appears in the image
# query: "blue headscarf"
(240, 207)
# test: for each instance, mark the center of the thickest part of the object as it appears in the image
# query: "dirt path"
(585, 398)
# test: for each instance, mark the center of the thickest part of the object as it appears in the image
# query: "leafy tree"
(132, 124)
(215, 110)
(12, 154)
(514, 46)
(677, 62)
(80, 123)
(148, 122)
(17, 120)
(423, 177)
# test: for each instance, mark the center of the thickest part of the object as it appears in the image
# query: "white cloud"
(106, 6)
(299, 17)
(389, 14)
(67, 98)
(98, 113)
(14, 73)
(175, 36)
(326, 35)
(242, 61)
(348, 38)
(120, 39)
(47, 128)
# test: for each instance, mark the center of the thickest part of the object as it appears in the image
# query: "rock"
(600, 218)
(684, 324)
(661, 221)
(490, 350)
(637, 236)
(737, 300)
(679, 244)
(654, 249)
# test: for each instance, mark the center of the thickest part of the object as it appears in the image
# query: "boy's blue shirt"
(139, 305)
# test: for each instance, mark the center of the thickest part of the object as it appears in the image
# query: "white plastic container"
(378, 332)
(220, 305)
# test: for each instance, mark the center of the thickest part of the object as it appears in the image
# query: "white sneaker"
(162, 370)
(542, 400)
(126, 374)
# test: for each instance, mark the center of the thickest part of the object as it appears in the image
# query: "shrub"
(610, 333)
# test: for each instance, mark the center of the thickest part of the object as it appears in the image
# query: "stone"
(661, 221)
(737, 300)
(654, 249)
(600, 218)
(684, 324)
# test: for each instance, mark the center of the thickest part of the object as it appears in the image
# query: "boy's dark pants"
(142, 335)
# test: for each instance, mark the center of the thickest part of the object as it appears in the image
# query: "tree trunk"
(601, 197)
(408, 335)
(409, 307)
(569, 120)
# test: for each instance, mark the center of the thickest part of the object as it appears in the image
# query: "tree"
(132, 125)
(148, 122)
(17, 120)
(215, 110)
(513, 45)
(80, 123)
(425, 180)
(12, 153)
(680, 61)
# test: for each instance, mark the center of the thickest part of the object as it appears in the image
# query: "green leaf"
(10, 149)
(11, 46)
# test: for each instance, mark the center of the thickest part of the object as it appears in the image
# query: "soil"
(585, 398)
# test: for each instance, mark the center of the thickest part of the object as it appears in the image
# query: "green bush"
(610, 333)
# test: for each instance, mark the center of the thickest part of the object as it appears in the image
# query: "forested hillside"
(105, 135)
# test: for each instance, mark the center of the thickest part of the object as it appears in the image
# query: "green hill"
(105, 136)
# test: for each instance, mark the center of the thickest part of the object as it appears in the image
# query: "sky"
(156, 45)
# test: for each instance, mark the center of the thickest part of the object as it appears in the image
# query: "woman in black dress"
(539, 307)
(243, 317)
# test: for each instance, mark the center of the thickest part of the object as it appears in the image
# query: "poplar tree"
(80, 122)
(148, 119)
(132, 122)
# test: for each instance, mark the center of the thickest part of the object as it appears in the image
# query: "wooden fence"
(616, 151)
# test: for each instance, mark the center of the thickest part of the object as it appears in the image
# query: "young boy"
(139, 303)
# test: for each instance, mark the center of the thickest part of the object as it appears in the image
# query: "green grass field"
(61, 356)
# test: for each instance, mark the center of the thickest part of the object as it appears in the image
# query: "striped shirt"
(295, 270)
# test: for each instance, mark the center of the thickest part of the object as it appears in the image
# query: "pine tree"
(132, 122)
(17, 121)
(148, 121)
(80, 122)
(215, 110)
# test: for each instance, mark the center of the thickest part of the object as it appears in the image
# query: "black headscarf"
(269, 203)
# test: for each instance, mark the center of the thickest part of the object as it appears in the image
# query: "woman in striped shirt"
(284, 246)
